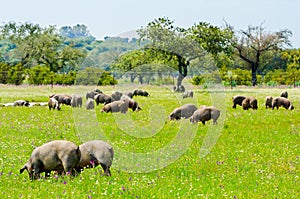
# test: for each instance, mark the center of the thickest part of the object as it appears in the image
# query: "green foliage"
(39, 75)
(40, 46)
(198, 80)
(280, 77)
(106, 79)
(4, 68)
(65, 78)
(14, 74)
(239, 77)
(94, 76)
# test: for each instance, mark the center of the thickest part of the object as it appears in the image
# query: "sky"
(118, 17)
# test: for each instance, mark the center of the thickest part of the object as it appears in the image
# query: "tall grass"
(254, 155)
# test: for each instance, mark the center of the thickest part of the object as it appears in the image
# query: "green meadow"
(248, 154)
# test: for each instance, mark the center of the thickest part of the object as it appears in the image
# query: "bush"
(39, 75)
(3, 73)
(16, 74)
(12, 74)
(65, 79)
(280, 77)
(197, 80)
(106, 79)
(94, 76)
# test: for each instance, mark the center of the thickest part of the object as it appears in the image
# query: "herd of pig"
(64, 157)
(250, 102)
(115, 102)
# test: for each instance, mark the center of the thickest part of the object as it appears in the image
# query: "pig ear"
(22, 170)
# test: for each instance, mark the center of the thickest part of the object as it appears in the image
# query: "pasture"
(248, 154)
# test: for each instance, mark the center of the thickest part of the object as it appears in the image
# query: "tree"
(76, 31)
(40, 46)
(144, 62)
(252, 43)
(185, 45)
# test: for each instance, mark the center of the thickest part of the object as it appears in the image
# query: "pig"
(131, 103)
(268, 103)
(281, 101)
(96, 152)
(205, 113)
(187, 94)
(184, 111)
(116, 95)
(116, 106)
(284, 94)
(56, 155)
(237, 100)
(90, 104)
(21, 103)
(76, 101)
(140, 92)
(62, 98)
(103, 99)
(91, 94)
(128, 93)
(53, 104)
(249, 102)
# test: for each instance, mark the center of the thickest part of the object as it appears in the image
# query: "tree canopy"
(182, 45)
(252, 43)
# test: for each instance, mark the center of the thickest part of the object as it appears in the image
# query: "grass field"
(248, 154)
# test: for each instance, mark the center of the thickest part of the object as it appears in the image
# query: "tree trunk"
(182, 69)
(254, 79)
(141, 79)
(132, 78)
(253, 71)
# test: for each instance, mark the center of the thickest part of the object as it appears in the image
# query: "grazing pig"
(237, 100)
(116, 106)
(130, 103)
(97, 90)
(96, 152)
(53, 104)
(21, 103)
(281, 101)
(249, 102)
(90, 104)
(139, 92)
(62, 98)
(53, 156)
(284, 94)
(269, 102)
(76, 101)
(205, 113)
(184, 111)
(116, 95)
(128, 93)
(92, 94)
(103, 99)
(187, 94)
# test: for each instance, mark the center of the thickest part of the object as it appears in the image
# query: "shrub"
(65, 79)
(16, 74)
(3, 73)
(106, 79)
(94, 76)
(39, 75)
